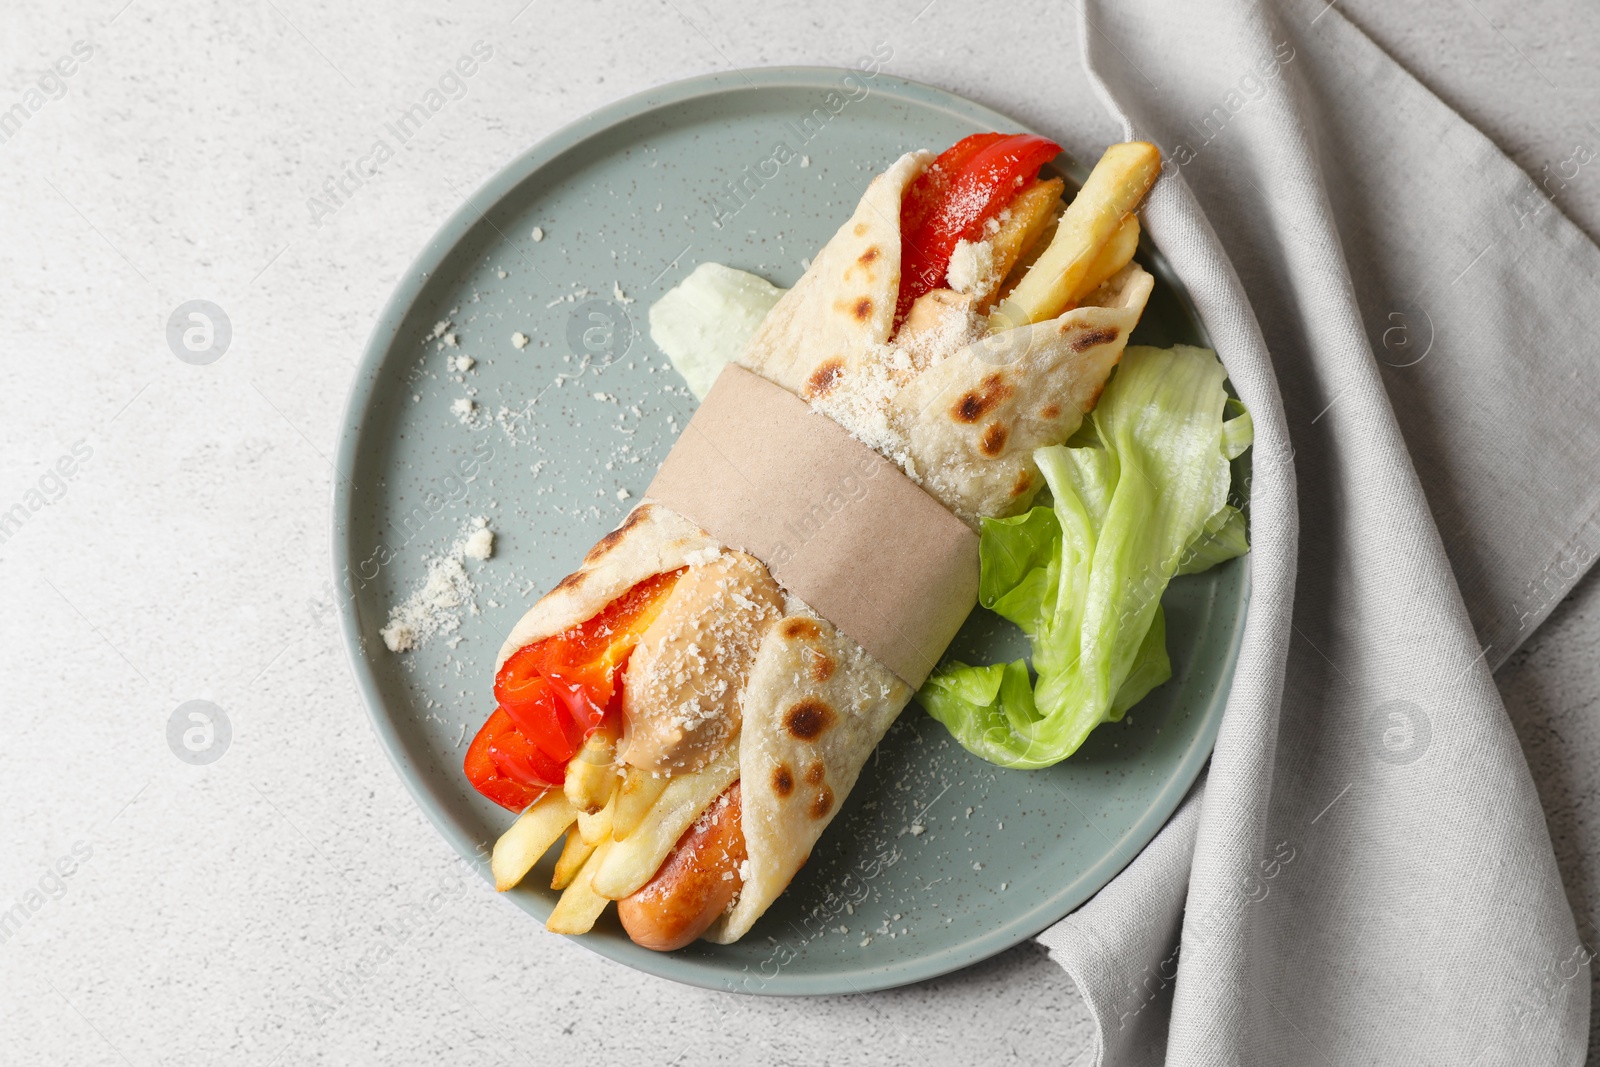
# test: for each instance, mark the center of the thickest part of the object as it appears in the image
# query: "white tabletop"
(288, 903)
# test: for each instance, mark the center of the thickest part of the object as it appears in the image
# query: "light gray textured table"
(284, 903)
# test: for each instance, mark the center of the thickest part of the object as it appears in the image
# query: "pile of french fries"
(1093, 239)
(619, 829)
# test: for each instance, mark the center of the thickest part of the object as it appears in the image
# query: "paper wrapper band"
(838, 525)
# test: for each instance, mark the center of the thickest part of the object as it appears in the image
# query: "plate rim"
(427, 795)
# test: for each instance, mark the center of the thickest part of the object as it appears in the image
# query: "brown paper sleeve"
(838, 525)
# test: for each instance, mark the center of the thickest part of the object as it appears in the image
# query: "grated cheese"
(436, 606)
(972, 267)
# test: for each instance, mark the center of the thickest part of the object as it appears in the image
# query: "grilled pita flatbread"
(651, 540)
(964, 424)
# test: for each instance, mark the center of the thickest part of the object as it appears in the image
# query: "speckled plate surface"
(938, 859)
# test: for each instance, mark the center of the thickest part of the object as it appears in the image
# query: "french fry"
(591, 774)
(580, 905)
(634, 860)
(597, 827)
(530, 837)
(1112, 192)
(1020, 269)
(1110, 259)
(639, 791)
(1029, 216)
(573, 856)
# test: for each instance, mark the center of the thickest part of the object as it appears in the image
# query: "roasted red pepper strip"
(547, 721)
(589, 654)
(499, 749)
(931, 186)
(969, 184)
(553, 693)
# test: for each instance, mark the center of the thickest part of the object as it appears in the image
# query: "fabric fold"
(1369, 874)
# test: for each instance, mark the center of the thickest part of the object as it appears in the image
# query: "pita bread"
(964, 425)
(842, 308)
(651, 540)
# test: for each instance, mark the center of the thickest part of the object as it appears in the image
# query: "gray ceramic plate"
(565, 434)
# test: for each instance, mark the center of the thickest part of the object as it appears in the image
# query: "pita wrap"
(651, 540)
(842, 309)
(962, 420)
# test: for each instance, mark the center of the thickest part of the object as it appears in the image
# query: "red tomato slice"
(977, 183)
(483, 770)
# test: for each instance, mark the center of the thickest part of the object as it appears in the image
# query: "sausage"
(695, 884)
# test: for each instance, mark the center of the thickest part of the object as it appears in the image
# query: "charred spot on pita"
(1050, 411)
(860, 229)
(862, 309)
(822, 666)
(782, 780)
(979, 402)
(606, 544)
(1103, 335)
(799, 629)
(617, 536)
(993, 439)
(822, 803)
(815, 773)
(573, 580)
(808, 719)
(869, 256)
(824, 378)
(1023, 483)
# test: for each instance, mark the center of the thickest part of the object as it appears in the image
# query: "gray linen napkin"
(1365, 876)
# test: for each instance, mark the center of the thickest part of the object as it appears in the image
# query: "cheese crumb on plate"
(436, 606)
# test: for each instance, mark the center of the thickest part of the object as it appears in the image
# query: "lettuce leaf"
(1138, 495)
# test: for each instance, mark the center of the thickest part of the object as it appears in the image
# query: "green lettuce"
(1138, 495)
